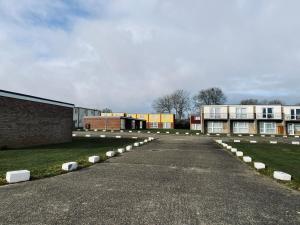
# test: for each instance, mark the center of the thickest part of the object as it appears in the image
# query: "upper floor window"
(241, 113)
(268, 113)
(295, 114)
(215, 113)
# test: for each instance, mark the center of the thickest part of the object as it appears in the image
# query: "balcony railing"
(292, 117)
(244, 116)
(268, 116)
(215, 116)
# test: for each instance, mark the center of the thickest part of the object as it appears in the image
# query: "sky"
(123, 54)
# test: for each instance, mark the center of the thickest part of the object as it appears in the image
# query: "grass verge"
(46, 161)
(282, 157)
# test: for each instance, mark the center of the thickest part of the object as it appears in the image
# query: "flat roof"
(78, 107)
(25, 97)
(120, 117)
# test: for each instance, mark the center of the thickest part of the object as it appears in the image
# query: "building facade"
(251, 119)
(113, 123)
(79, 113)
(157, 120)
(27, 121)
(195, 123)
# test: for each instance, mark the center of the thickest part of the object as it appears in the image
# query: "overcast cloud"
(123, 54)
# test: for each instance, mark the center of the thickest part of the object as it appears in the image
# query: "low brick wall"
(27, 123)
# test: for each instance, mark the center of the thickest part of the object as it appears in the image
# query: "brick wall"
(26, 123)
(102, 123)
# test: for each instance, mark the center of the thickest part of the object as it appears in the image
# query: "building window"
(166, 125)
(240, 127)
(241, 113)
(295, 114)
(268, 113)
(215, 113)
(153, 125)
(215, 127)
(268, 128)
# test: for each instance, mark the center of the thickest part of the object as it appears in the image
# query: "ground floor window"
(240, 127)
(133, 124)
(122, 124)
(166, 125)
(153, 125)
(195, 126)
(215, 127)
(267, 127)
(293, 129)
(141, 124)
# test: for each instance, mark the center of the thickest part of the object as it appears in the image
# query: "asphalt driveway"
(175, 180)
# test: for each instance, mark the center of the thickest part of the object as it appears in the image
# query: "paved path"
(173, 181)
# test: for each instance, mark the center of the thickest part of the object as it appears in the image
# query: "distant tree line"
(182, 104)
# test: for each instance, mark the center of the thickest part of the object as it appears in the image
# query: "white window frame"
(215, 127)
(215, 113)
(266, 114)
(166, 125)
(264, 129)
(241, 113)
(240, 127)
(153, 125)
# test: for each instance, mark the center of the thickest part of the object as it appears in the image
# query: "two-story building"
(251, 119)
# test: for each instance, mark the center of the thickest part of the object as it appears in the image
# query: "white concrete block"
(208, 134)
(167, 132)
(187, 133)
(17, 176)
(129, 148)
(130, 131)
(253, 142)
(273, 142)
(282, 176)
(218, 134)
(103, 136)
(229, 147)
(122, 131)
(139, 131)
(74, 135)
(240, 135)
(251, 135)
(112, 131)
(110, 154)
(285, 136)
(239, 154)
(237, 141)
(141, 142)
(104, 130)
(296, 136)
(149, 132)
(150, 138)
(94, 159)
(263, 135)
(233, 150)
(145, 141)
(87, 135)
(136, 144)
(295, 143)
(228, 135)
(247, 159)
(177, 133)
(95, 130)
(224, 145)
(121, 150)
(259, 165)
(197, 133)
(118, 137)
(158, 132)
(69, 166)
(219, 141)
(273, 135)
(134, 137)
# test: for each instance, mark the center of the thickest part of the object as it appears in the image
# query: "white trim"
(33, 99)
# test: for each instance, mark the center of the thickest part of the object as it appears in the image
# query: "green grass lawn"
(283, 157)
(47, 160)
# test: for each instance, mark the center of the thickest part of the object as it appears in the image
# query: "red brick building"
(31, 121)
(113, 123)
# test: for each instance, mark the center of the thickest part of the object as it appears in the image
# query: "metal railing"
(268, 116)
(215, 115)
(292, 117)
(242, 116)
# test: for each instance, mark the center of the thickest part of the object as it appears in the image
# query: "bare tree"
(163, 104)
(211, 96)
(181, 103)
(249, 101)
(106, 110)
(275, 102)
